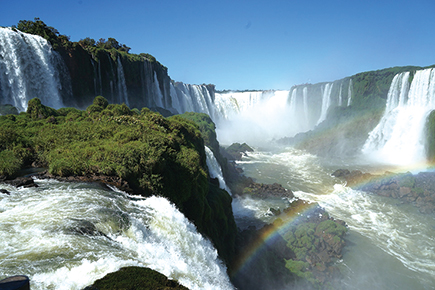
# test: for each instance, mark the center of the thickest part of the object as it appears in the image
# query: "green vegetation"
(92, 65)
(8, 110)
(134, 278)
(430, 137)
(155, 155)
(370, 89)
(38, 27)
(299, 268)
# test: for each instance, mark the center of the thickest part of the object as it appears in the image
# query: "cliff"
(357, 104)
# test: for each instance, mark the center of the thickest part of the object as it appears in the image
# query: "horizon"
(243, 45)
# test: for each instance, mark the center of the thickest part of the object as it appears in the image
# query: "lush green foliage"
(155, 155)
(38, 27)
(147, 150)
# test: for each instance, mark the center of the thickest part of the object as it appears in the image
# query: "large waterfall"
(399, 136)
(30, 68)
(326, 101)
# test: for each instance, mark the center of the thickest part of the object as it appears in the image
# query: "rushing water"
(29, 68)
(389, 245)
(66, 235)
(399, 137)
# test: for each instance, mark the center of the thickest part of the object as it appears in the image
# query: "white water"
(122, 86)
(389, 245)
(259, 117)
(38, 237)
(326, 101)
(340, 96)
(349, 93)
(158, 96)
(399, 136)
(215, 169)
(28, 69)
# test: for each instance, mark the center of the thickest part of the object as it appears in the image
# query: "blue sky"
(250, 44)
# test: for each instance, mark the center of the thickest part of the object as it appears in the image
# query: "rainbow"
(282, 223)
(270, 233)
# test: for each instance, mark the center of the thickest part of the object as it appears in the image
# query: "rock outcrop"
(418, 189)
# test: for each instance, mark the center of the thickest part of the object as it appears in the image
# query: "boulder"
(22, 182)
(4, 191)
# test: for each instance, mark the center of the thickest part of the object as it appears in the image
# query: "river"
(390, 245)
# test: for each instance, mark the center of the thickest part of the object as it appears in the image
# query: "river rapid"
(389, 245)
(67, 235)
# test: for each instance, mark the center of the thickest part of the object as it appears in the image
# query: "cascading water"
(157, 96)
(399, 136)
(67, 235)
(305, 102)
(349, 93)
(193, 98)
(122, 86)
(326, 101)
(256, 117)
(215, 169)
(340, 96)
(29, 68)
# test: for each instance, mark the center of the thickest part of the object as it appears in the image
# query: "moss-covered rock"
(135, 278)
(236, 150)
(8, 110)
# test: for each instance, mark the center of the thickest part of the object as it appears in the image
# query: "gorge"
(67, 235)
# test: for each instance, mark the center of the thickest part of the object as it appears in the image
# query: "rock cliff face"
(118, 76)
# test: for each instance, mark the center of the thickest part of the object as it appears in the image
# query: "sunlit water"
(390, 245)
(40, 237)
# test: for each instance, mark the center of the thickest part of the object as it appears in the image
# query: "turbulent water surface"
(390, 245)
(66, 235)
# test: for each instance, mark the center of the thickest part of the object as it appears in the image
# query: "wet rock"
(262, 190)
(22, 182)
(104, 180)
(4, 191)
(87, 228)
(236, 151)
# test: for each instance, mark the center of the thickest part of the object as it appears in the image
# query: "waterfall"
(399, 136)
(215, 169)
(340, 96)
(258, 117)
(193, 98)
(293, 101)
(326, 101)
(67, 235)
(29, 67)
(122, 86)
(349, 93)
(157, 96)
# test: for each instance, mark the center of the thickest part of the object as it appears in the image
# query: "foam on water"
(399, 230)
(402, 235)
(42, 236)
